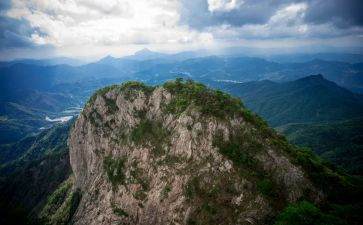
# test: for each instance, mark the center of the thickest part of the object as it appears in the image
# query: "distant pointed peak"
(314, 77)
(107, 58)
(320, 76)
(143, 51)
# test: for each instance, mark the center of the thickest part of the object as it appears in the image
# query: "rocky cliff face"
(179, 154)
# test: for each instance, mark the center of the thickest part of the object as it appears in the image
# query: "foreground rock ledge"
(146, 155)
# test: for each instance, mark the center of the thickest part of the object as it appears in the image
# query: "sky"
(95, 28)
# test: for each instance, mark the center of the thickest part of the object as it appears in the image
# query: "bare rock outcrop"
(179, 154)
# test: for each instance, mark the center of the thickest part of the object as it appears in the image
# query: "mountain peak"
(144, 51)
(318, 78)
(146, 54)
(177, 152)
(108, 58)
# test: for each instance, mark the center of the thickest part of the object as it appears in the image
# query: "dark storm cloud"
(4, 5)
(196, 14)
(14, 32)
(340, 13)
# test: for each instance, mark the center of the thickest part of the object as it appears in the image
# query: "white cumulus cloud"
(67, 23)
(119, 27)
(223, 5)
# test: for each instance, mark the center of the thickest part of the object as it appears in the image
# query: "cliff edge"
(180, 153)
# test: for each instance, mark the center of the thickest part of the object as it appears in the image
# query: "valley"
(179, 112)
(320, 112)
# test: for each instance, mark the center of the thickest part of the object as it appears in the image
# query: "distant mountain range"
(337, 57)
(146, 54)
(45, 62)
(158, 68)
(312, 112)
(322, 112)
(280, 92)
(153, 67)
(36, 90)
(240, 69)
(308, 99)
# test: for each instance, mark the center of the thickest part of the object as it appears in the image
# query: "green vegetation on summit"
(208, 189)
(342, 191)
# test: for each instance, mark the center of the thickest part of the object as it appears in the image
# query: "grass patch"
(209, 102)
(61, 205)
(191, 187)
(150, 133)
(118, 211)
(138, 176)
(111, 105)
(344, 192)
(265, 187)
(59, 195)
(140, 195)
(101, 92)
(131, 88)
(94, 117)
(114, 170)
(234, 150)
(166, 190)
(209, 209)
(306, 213)
(171, 160)
(340, 187)
(136, 85)
(75, 200)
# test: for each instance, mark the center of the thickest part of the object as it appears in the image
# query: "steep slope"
(34, 168)
(184, 154)
(340, 142)
(33, 147)
(30, 185)
(308, 99)
(312, 112)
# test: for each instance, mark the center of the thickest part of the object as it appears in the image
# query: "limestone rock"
(137, 160)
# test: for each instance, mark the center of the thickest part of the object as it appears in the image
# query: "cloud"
(342, 14)
(199, 14)
(286, 22)
(100, 22)
(223, 5)
(4, 5)
(249, 19)
(105, 25)
(15, 32)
